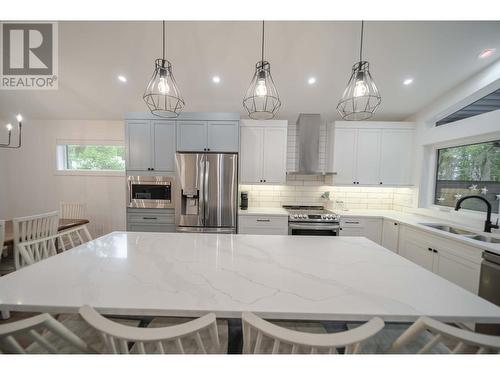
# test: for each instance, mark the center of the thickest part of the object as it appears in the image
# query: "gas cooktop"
(313, 214)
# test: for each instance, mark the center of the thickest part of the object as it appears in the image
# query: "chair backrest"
(30, 252)
(37, 328)
(2, 237)
(31, 228)
(257, 331)
(456, 340)
(123, 339)
(73, 210)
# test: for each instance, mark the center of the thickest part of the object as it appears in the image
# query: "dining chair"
(34, 251)
(69, 210)
(263, 337)
(30, 228)
(453, 339)
(45, 335)
(200, 335)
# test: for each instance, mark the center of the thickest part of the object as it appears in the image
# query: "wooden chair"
(72, 210)
(34, 251)
(31, 228)
(46, 335)
(196, 336)
(444, 335)
(261, 337)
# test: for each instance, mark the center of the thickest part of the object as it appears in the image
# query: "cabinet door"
(164, 146)
(223, 136)
(191, 135)
(373, 230)
(251, 153)
(344, 156)
(390, 235)
(396, 156)
(274, 167)
(416, 251)
(368, 156)
(139, 145)
(457, 270)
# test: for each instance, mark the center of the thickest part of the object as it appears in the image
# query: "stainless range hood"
(308, 145)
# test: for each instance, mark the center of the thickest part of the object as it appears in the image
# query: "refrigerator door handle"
(205, 188)
(201, 192)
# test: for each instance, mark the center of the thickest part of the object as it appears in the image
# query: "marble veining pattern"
(282, 277)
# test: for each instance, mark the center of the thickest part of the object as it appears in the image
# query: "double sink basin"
(462, 232)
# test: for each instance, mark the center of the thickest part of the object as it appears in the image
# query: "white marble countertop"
(256, 211)
(287, 277)
(417, 220)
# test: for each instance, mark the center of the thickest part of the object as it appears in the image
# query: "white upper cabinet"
(372, 153)
(396, 157)
(216, 136)
(191, 136)
(164, 145)
(138, 139)
(263, 147)
(150, 145)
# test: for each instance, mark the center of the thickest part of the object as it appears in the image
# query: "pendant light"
(262, 101)
(162, 95)
(361, 97)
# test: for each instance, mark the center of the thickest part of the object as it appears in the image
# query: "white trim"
(93, 173)
(91, 142)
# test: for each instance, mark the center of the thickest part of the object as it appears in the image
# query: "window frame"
(434, 161)
(61, 158)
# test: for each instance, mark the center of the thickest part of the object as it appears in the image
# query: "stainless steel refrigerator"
(207, 192)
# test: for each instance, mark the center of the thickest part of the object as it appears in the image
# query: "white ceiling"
(438, 55)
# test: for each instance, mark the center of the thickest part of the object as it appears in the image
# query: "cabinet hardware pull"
(352, 222)
(395, 223)
(266, 220)
(150, 218)
(434, 250)
(429, 249)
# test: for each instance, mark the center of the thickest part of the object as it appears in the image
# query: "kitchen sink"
(449, 229)
(478, 237)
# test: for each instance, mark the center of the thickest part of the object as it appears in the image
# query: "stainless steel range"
(312, 221)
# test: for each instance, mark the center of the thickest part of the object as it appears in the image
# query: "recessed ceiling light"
(408, 81)
(486, 53)
(311, 81)
(122, 78)
(216, 79)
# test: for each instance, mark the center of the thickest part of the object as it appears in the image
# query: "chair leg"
(5, 314)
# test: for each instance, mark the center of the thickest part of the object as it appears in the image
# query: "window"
(90, 157)
(490, 102)
(469, 170)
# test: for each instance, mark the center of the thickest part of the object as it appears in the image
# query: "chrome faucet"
(488, 225)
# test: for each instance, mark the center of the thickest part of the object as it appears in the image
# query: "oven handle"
(314, 226)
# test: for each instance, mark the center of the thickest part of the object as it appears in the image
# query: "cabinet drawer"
(263, 231)
(132, 227)
(352, 222)
(151, 219)
(264, 221)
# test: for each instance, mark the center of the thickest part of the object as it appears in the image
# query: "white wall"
(474, 129)
(34, 186)
(4, 206)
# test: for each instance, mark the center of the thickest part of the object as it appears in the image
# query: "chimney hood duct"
(308, 144)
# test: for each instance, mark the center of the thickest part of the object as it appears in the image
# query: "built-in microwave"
(150, 191)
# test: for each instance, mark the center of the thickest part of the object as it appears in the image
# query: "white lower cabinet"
(390, 235)
(449, 259)
(262, 224)
(370, 228)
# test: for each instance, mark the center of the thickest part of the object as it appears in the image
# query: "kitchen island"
(281, 277)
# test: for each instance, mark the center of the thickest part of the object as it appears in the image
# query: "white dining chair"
(30, 228)
(443, 336)
(263, 337)
(31, 252)
(68, 210)
(200, 335)
(45, 335)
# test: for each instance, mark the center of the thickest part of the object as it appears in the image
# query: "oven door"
(150, 192)
(313, 229)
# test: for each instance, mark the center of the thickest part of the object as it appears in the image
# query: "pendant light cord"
(361, 45)
(163, 39)
(262, 55)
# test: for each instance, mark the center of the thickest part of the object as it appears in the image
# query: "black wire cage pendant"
(262, 100)
(361, 96)
(162, 94)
